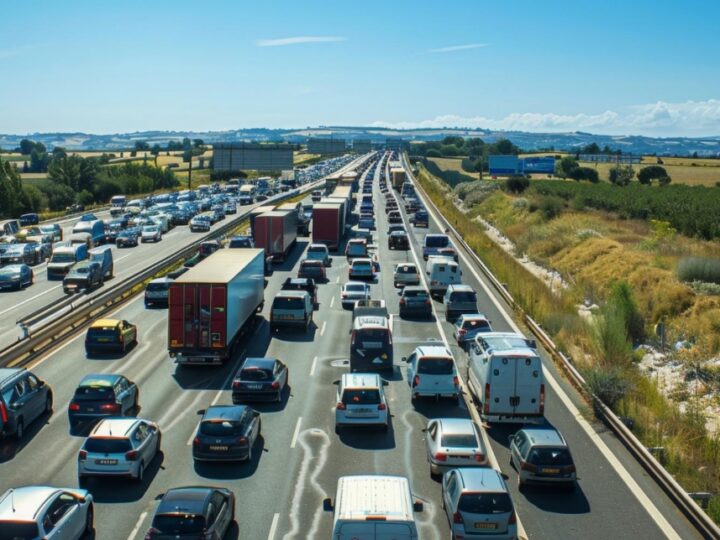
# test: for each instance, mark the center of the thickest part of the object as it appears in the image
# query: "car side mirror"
(41, 383)
(404, 359)
(328, 505)
(14, 405)
(200, 411)
(533, 344)
(418, 506)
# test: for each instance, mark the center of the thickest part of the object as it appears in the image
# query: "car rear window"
(485, 503)
(415, 294)
(288, 303)
(362, 264)
(370, 337)
(476, 325)
(361, 396)
(158, 286)
(255, 374)
(550, 456)
(218, 428)
(98, 445)
(316, 249)
(94, 334)
(436, 241)
(94, 393)
(179, 523)
(62, 257)
(15, 530)
(435, 366)
(459, 440)
(406, 270)
(463, 297)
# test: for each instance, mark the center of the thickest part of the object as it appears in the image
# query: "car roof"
(299, 280)
(259, 363)
(460, 287)
(291, 294)
(100, 379)
(371, 321)
(8, 373)
(185, 500)
(101, 323)
(481, 479)
(162, 280)
(384, 496)
(361, 380)
(433, 350)
(224, 412)
(415, 288)
(544, 436)
(22, 503)
(457, 426)
(113, 427)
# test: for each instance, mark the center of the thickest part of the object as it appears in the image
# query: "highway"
(280, 492)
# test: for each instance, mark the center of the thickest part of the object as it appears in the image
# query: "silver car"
(50, 513)
(453, 442)
(406, 274)
(353, 291)
(119, 447)
(541, 456)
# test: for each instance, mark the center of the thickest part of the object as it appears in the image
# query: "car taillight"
(433, 282)
(196, 441)
(72, 407)
(242, 440)
(480, 458)
(111, 407)
(416, 381)
(151, 532)
(513, 519)
(569, 468)
(440, 456)
(82, 455)
(340, 406)
(462, 332)
(382, 407)
(542, 399)
(427, 302)
(236, 384)
(352, 337)
(456, 381)
(132, 455)
(486, 399)
(275, 385)
(343, 295)
(525, 466)
(3, 412)
(457, 518)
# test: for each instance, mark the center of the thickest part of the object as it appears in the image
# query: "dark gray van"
(371, 346)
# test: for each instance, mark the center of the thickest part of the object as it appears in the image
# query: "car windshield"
(550, 456)
(179, 523)
(317, 249)
(372, 337)
(288, 303)
(256, 374)
(361, 264)
(361, 396)
(150, 229)
(94, 393)
(18, 530)
(436, 241)
(218, 428)
(355, 287)
(435, 366)
(158, 286)
(98, 445)
(406, 269)
(485, 503)
(415, 294)
(81, 270)
(459, 440)
(356, 248)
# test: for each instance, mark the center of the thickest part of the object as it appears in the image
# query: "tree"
(75, 172)
(186, 144)
(155, 150)
(10, 190)
(33, 200)
(517, 184)
(566, 166)
(59, 196)
(621, 175)
(197, 143)
(141, 146)
(591, 148)
(39, 160)
(585, 173)
(646, 175)
(26, 146)
(455, 141)
(506, 147)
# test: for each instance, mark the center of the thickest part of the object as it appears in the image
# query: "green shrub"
(517, 184)
(699, 269)
(85, 198)
(609, 384)
(551, 207)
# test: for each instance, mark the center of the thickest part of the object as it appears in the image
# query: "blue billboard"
(538, 165)
(502, 165)
(509, 165)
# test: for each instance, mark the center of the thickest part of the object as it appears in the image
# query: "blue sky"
(640, 67)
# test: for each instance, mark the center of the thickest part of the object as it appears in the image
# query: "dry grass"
(700, 175)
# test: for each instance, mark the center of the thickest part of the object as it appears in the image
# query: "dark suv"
(193, 512)
(23, 398)
(302, 284)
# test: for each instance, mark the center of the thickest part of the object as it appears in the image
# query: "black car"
(29, 219)
(398, 240)
(226, 433)
(102, 395)
(128, 237)
(415, 300)
(260, 379)
(23, 398)
(193, 512)
(241, 242)
(421, 219)
(302, 284)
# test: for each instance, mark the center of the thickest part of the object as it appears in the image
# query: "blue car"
(16, 276)
(29, 219)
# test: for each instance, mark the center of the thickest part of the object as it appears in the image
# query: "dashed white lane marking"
(322, 330)
(139, 523)
(296, 432)
(312, 367)
(332, 302)
(273, 526)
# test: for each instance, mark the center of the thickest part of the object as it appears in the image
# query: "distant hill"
(631, 144)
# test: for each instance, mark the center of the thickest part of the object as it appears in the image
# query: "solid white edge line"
(332, 302)
(135, 530)
(296, 432)
(613, 461)
(312, 367)
(273, 526)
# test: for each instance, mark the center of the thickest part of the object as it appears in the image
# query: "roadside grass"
(300, 158)
(692, 454)
(684, 172)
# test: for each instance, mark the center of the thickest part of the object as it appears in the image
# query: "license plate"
(483, 525)
(372, 344)
(284, 317)
(106, 461)
(90, 409)
(223, 448)
(551, 471)
(104, 340)
(254, 386)
(362, 411)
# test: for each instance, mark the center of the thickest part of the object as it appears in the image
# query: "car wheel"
(136, 403)
(90, 521)
(279, 396)
(19, 430)
(158, 446)
(250, 453)
(49, 404)
(141, 473)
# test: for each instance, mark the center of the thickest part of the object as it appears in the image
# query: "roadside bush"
(551, 207)
(517, 184)
(699, 269)
(621, 298)
(705, 289)
(33, 200)
(85, 198)
(59, 196)
(585, 173)
(432, 152)
(609, 384)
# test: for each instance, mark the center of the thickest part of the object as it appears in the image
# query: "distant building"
(252, 157)
(327, 146)
(625, 159)
(362, 146)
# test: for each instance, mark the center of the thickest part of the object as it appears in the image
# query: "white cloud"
(297, 40)
(459, 48)
(660, 118)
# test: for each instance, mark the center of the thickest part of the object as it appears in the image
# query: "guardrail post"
(703, 497)
(25, 331)
(658, 452)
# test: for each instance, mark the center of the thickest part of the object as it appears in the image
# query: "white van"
(94, 228)
(373, 506)
(505, 377)
(441, 272)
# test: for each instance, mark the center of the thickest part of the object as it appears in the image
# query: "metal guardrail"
(48, 335)
(695, 514)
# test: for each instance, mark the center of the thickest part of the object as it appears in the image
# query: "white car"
(432, 373)
(452, 443)
(353, 291)
(151, 233)
(406, 274)
(361, 401)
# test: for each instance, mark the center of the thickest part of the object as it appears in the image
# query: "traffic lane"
(587, 509)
